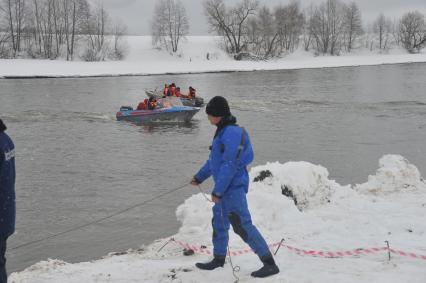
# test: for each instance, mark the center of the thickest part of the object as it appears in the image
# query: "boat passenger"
(177, 92)
(143, 105)
(152, 103)
(166, 89)
(191, 93)
(172, 90)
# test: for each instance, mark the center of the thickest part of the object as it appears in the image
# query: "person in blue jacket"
(7, 195)
(231, 152)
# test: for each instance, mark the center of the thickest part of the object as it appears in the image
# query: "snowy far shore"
(339, 231)
(142, 60)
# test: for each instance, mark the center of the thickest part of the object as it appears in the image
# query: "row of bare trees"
(57, 28)
(328, 28)
(169, 25)
(408, 32)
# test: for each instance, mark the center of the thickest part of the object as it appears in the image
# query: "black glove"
(194, 181)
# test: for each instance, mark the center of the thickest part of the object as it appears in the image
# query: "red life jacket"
(143, 105)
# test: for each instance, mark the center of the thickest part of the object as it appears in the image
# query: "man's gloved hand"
(215, 198)
(194, 181)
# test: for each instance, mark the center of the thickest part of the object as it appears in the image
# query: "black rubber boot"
(217, 261)
(269, 267)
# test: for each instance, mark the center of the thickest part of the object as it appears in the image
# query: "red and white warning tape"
(327, 254)
(412, 255)
(201, 249)
(335, 254)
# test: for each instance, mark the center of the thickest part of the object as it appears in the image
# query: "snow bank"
(198, 54)
(395, 174)
(315, 213)
(306, 184)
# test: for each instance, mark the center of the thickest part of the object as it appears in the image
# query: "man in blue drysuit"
(231, 152)
(7, 195)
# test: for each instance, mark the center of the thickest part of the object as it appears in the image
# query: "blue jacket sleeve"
(204, 172)
(229, 164)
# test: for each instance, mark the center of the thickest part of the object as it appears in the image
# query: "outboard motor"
(199, 101)
(126, 108)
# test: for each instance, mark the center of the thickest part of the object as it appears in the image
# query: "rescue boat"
(169, 109)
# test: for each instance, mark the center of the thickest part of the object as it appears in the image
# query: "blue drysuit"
(7, 186)
(228, 167)
(7, 197)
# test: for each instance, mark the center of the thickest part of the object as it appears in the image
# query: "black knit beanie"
(218, 107)
(2, 126)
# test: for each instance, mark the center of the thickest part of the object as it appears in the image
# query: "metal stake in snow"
(171, 239)
(279, 246)
(387, 243)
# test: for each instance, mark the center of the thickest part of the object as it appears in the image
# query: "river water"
(76, 163)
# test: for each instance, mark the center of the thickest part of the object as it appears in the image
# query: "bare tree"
(289, 22)
(75, 14)
(255, 30)
(4, 48)
(58, 24)
(327, 26)
(412, 29)
(45, 20)
(96, 26)
(49, 28)
(353, 25)
(119, 48)
(262, 35)
(382, 27)
(369, 37)
(231, 23)
(36, 30)
(13, 12)
(70, 15)
(395, 31)
(307, 27)
(169, 24)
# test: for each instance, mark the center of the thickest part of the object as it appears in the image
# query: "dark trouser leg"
(3, 274)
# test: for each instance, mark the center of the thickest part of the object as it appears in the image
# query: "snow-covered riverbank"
(144, 60)
(390, 206)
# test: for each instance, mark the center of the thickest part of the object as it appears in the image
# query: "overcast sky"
(137, 14)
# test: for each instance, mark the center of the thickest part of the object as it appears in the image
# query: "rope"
(204, 195)
(99, 220)
(234, 268)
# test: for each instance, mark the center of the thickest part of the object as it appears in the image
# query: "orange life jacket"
(143, 105)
